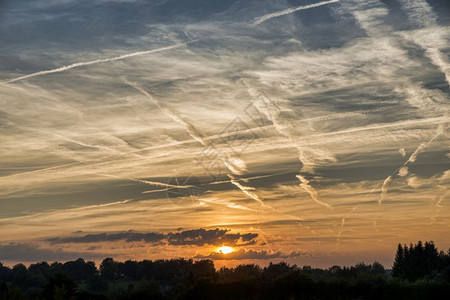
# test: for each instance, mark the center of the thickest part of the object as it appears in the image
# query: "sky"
(312, 132)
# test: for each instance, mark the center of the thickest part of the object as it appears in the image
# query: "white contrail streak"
(81, 143)
(384, 188)
(155, 183)
(343, 220)
(277, 14)
(247, 190)
(441, 129)
(93, 62)
(311, 191)
(191, 130)
(75, 209)
(436, 57)
(227, 203)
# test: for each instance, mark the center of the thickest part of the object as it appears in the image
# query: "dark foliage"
(421, 261)
(420, 271)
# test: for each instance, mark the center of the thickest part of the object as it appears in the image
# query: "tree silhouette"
(399, 262)
(59, 287)
(419, 271)
(418, 261)
(109, 269)
(97, 284)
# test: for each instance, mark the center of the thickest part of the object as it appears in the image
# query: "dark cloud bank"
(242, 254)
(196, 237)
(29, 252)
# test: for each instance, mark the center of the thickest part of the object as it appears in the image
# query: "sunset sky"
(313, 132)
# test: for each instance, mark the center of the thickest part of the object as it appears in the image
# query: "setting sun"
(225, 249)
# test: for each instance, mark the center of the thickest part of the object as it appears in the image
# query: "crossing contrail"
(233, 164)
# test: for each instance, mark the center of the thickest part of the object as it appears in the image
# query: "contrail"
(384, 188)
(81, 143)
(403, 171)
(190, 129)
(277, 14)
(343, 220)
(440, 130)
(227, 203)
(234, 165)
(40, 214)
(421, 13)
(272, 112)
(93, 62)
(311, 191)
(343, 115)
(250, 178)
(246, 190)
(436, 57)
(100, 161)
(155, 183)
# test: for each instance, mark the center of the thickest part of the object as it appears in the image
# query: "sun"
(225, 249)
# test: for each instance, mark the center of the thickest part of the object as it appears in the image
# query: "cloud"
(403, 171)
(415, 182)
(419, 12)
(201, 237)
(129, 236)
(28, 252)
(197, 237)
(242, 254)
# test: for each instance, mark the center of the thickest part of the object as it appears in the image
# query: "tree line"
(419, 271)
